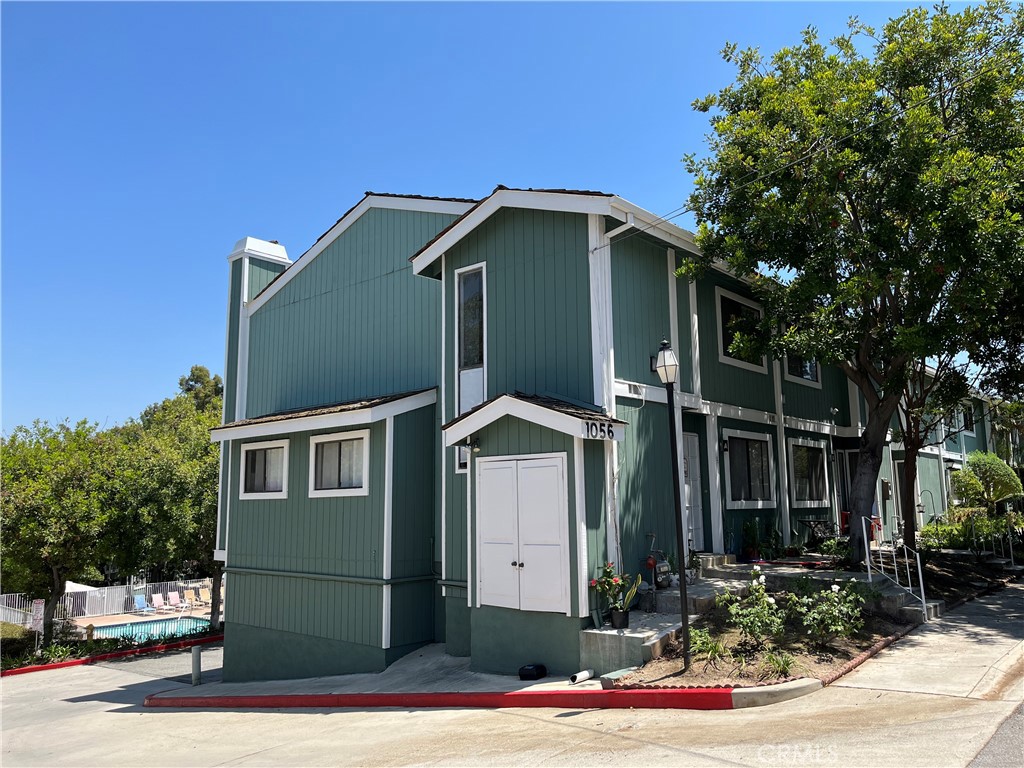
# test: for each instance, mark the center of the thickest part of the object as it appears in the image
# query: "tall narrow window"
(470, 346)
(969, 418)
(750, 468)
(807, 473)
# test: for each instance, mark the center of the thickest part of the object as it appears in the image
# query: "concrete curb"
(112, 655)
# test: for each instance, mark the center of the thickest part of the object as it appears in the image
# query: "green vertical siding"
(596, 498)
(261, 274)
(537, 296)
(640, 310)
(646, 501)
(721, 382)
(929, 481)
(412, 504)
(808, 402)
(685, 353)
(231, 360)
(333, 332)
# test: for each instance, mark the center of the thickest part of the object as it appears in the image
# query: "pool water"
(148, 630)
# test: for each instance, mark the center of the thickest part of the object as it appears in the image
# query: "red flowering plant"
(615, 587)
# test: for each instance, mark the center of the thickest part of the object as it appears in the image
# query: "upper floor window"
(339, 464)
(807, 473)
(735, 311)
(471, 344)
(265, 470)
(803, 371)
(748, 465)
(968, 415)
(951, 427)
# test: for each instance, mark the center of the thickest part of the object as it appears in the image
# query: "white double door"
(522, 532)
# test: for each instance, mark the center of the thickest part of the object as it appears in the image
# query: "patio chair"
(141, 606)
(160, 605)
(205, 596)
(175, 601)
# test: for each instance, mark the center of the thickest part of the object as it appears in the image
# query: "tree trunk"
(907, 498)
(58, 586)
(862, 492)
(218, 570)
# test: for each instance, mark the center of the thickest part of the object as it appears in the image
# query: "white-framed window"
(808, 473)
(339, 464)
(264, 470)
(968, 418)
(803, 371)
(749, 470)
(470, 345)
(730, 308)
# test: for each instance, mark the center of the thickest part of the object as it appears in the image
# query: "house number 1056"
(597, 431)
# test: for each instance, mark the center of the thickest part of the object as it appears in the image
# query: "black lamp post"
(667, 367)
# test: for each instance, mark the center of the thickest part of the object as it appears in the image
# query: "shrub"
(712, 649)
(757, 616)
(15, 640)
(776, 664)
(833, 612)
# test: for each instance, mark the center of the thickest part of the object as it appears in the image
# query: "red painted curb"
(679, 698)
(112, 655)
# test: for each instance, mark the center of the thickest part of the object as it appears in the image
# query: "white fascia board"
(510, 406)
(646, 221)
(373, 201)
(509, 198)
(328, 420)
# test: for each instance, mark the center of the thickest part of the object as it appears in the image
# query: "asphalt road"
(93, 716)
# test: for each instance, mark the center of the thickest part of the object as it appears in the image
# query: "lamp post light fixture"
(667, 368)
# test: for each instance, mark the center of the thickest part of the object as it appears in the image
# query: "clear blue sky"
(140, 141)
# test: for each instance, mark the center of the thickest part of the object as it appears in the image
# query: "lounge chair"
(159, 604)
(204, 596)
(141, 606)
(175, 601)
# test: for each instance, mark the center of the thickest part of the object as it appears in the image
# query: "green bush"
(833, 612)
(15, 640)
(757, 616)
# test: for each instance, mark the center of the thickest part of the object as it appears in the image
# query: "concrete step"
(913, 612)
(700, 596)
(606, 650)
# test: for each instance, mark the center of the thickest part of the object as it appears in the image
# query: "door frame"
(563, 527)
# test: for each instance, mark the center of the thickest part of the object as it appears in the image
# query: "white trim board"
(535, 414)
(327, 420)
(568, 202)
(368, 202)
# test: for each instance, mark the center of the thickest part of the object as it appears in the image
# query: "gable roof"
(551, 412)
(566, 200)
(450, 205)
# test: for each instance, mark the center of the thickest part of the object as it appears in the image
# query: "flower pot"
(620, 619)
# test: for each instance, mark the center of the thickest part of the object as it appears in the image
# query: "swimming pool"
(148, 630)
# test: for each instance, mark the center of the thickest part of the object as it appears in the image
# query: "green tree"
(996, 481)
(54, 517)
(873, 200)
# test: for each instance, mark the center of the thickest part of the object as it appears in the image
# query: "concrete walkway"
(976, 651)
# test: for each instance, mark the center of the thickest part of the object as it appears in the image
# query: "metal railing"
(103, 601)
(895, 566)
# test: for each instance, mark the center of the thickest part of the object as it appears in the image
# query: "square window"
(264, 470)
(339, 464)
(802, 370)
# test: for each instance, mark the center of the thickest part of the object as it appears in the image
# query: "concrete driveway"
(885, 713)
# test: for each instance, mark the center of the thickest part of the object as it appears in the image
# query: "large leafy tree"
(871, 191)
(54, 515)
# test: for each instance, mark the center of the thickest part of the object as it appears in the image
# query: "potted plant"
(618, 592)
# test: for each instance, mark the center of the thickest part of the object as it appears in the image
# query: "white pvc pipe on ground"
(579, 677)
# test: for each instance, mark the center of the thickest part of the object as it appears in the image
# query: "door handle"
(522, 564)
(514, 563)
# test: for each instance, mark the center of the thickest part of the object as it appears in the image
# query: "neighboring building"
(442, 419)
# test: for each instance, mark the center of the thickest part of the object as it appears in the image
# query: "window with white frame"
(807, 473)
(339, 464)
(264, 470)
(803, 371)
(968, 417)
(470, 345)
(734, 312)
(749, 468)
